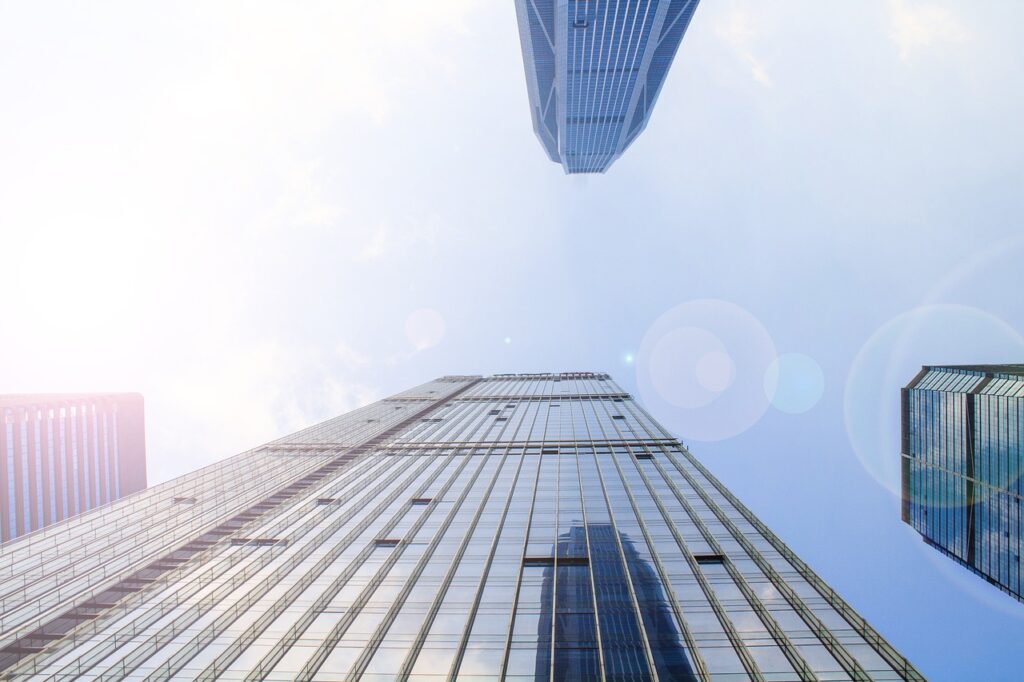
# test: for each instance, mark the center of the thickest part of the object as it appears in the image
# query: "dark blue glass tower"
(594, 69)
(962, 458)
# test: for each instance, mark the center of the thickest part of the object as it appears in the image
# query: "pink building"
(63, 454)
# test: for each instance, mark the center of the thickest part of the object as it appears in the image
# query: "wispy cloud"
(918, 25)
(236, 400)
(739, 30)
(351, 357)
(376, 246)
(412, 234)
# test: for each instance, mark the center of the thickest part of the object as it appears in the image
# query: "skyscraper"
(517, 527)
(962, 458)
(594, 69)
(63, 454)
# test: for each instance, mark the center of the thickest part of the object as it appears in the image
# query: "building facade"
(64, 454)
(962, 459)
(514, 527)
(594, 69)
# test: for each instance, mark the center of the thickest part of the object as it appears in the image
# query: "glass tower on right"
(961, 465)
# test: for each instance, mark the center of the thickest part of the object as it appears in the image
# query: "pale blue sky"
(260, 216)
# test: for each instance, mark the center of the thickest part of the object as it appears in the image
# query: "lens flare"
(701, 366)
(944, 334)
(967, 582)
(794, 383)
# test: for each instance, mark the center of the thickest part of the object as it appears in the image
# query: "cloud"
(175, 184)
(739, 31)
(236, 400)
(376, 246)
(410, 235)
(918, 25)
(351, 357)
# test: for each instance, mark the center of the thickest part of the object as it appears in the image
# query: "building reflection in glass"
(567, 643)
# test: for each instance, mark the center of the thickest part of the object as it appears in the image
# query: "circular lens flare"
(715, 371)
(967, 582)
(700, 369)
(679, 370)
(794, 383)
(943, 334)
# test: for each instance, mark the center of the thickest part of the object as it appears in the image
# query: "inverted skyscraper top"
(594, 69)
(962, 454)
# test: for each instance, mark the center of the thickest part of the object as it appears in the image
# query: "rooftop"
(989, 370)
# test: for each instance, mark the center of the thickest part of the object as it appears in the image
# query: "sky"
(260, 215)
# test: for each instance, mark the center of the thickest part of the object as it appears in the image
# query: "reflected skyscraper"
(962, 459)
(515, 527)
(596, 565)
(594, 69)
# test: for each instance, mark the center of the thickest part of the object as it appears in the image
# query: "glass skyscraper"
(63, 454)
(514, 527)
(962, 459)
(594, 69)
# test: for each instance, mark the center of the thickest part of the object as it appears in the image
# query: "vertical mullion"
(652, 667)
(538, 385)
(791, 653)
(285, 518)
(7, 477)
(424, 631)
(586, 113)
(586, 536)
(380, 632)
(778, 634)
(220, 568)
(825, 636)
(468, 629)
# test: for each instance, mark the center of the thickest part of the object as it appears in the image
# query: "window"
(267, 542)
(709, 558)
(258, 542)
(579, 22)
(326, 500)
(184, 500)
(533, 561)
(386, 542)
(421, 500)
